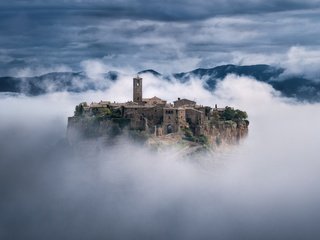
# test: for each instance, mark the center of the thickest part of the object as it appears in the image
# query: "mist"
(264, 188)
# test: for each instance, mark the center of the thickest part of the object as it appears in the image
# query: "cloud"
(167, 10)
(94, 68)
(264, 188)
(38, 71)
(303, 61)
(68, 37)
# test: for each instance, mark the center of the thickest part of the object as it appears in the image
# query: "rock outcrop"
(183, 121)
(221, 134)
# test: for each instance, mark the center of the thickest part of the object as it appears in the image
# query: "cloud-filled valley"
(259, 56)
(95, 77)
(264, 188)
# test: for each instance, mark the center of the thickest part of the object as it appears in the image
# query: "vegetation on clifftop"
(222, 126)
(189, 136)
(230, 114)
(79, 109)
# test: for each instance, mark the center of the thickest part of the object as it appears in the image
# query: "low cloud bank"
(265, 188)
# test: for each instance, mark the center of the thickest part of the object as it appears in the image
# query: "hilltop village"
(156, 117)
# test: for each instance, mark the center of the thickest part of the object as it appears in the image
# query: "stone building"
(155, 115)
(184, 103)
(174, 119)
(137, 89)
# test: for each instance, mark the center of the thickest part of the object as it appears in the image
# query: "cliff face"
(228, 133)
(87, 127)
(218, 134)
(155, 118)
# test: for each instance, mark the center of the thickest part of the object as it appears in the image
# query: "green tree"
(240, 115)
(79, 110)
(203, 139)
(228, 114)
(233, 115)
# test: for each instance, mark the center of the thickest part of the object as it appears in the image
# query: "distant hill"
(298, 87)
(153, 72)
(55, 82)
(263, 73)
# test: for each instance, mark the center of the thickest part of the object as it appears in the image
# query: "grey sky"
(163, 35)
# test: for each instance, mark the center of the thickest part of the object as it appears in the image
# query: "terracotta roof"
(139, 106)
(193, 109)
(184, 99)
(153, 98)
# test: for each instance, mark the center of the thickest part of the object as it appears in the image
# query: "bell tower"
(137, 89)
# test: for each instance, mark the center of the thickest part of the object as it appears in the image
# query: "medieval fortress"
(157, 117)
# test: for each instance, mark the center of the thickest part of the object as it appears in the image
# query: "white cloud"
(303, 60)
(125, 190)
(94, 68)
(38, 71)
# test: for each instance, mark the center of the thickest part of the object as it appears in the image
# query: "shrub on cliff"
(229, 114)
(203, 140)
(188, 134)
(115, 113)
(79, 109)
(240, 115)
(106, 111)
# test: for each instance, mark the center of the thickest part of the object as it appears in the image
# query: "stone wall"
(143, 118)
(173, 119)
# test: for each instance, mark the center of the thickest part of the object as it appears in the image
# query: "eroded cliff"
(217, 133)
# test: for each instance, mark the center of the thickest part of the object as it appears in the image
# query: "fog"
(264, 188)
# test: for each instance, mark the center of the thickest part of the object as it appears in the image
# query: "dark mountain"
(153, 72)
(112, 75)
(263, 73)
(55, 82)
(10, 84)
(298, 87)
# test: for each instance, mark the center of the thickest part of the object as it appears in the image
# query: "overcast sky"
(164, 35)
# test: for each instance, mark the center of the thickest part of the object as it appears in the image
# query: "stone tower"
(137, 89)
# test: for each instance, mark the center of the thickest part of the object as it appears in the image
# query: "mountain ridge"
(295, 86)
